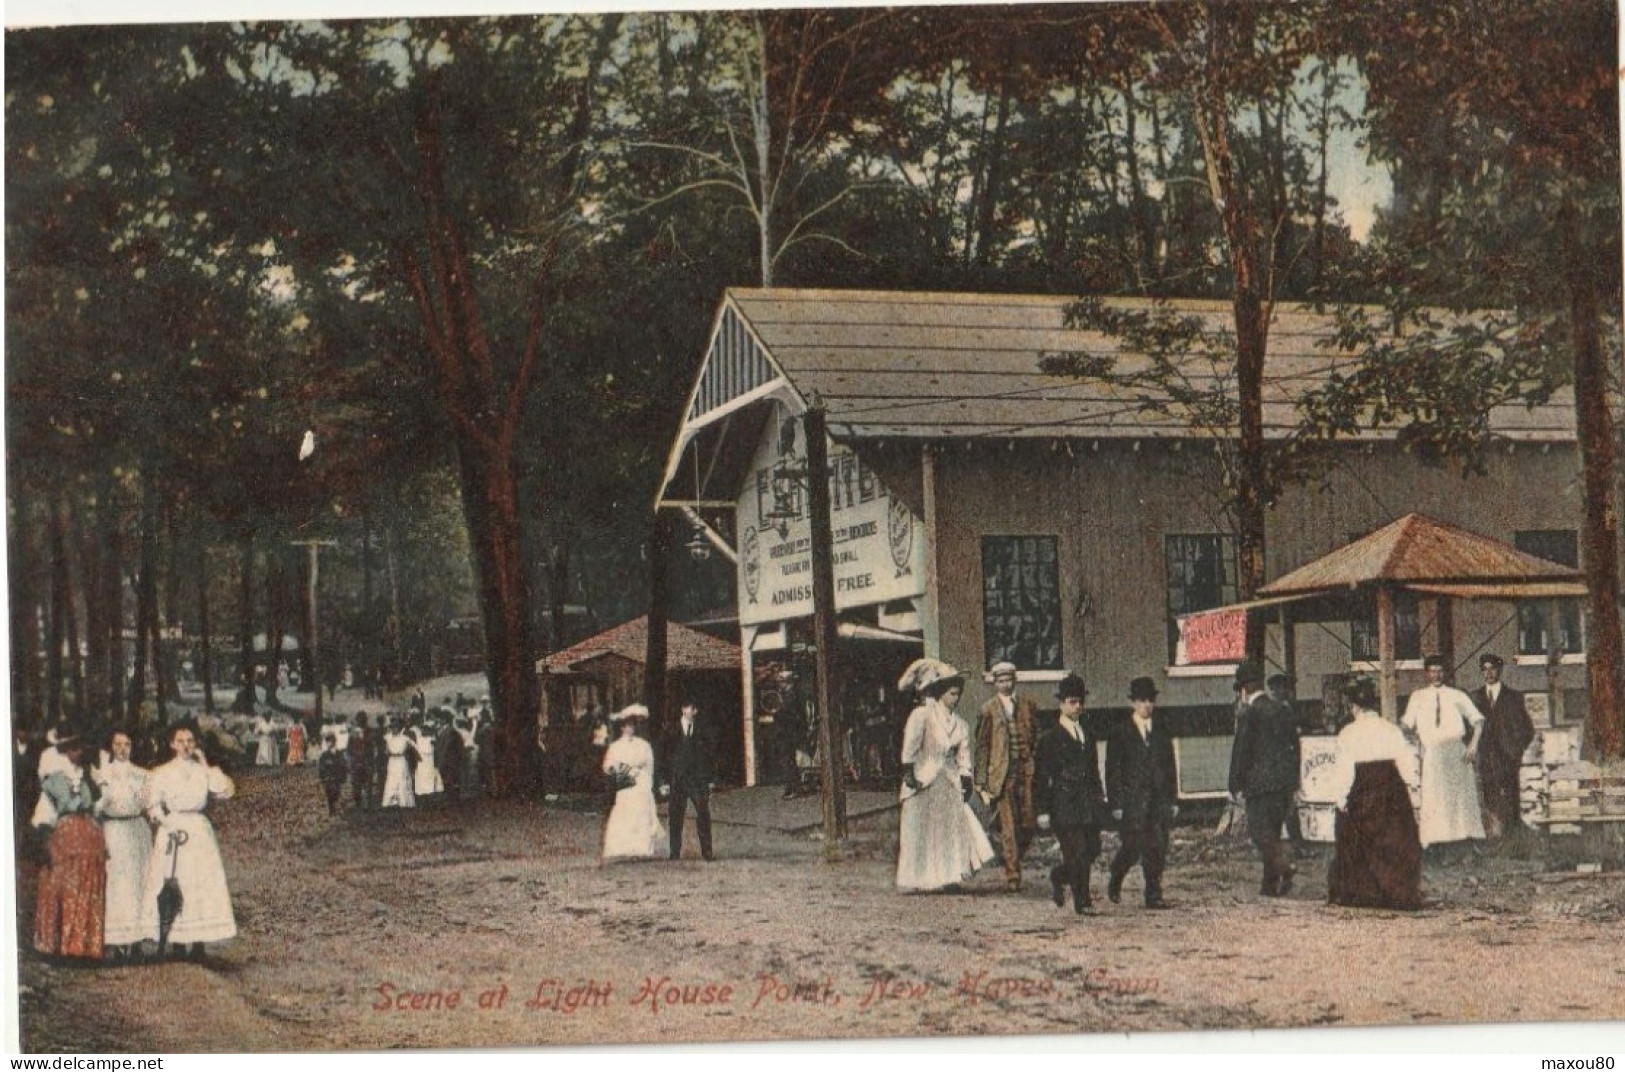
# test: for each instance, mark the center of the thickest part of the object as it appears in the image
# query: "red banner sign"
(1218, 636)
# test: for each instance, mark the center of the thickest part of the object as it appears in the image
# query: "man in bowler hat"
(1003, 772)
(1140, 790)
(1264, 769)
(1068, 796)
(688, 758)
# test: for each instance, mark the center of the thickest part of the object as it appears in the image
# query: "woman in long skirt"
(633, 829)
(398, 789)
(70, 913)
(940, 841)
(296, 744)
(122, 809)
(178, 794)
(1378, 862)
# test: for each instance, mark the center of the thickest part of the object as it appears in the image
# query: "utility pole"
(830, 738)
(315, 546)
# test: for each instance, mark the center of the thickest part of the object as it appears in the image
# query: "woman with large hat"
(1378, 862)
(633, 829)
(940, 842)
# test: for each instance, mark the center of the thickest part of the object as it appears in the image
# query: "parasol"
(169, 898)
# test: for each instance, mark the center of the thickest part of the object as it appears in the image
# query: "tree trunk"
(558, 583)
(146, 592)
(654, 669)
(25, 623)
(993, 184)
(1599, 539)
(113, 585)
(275, 623)
(87, 538)
(245, 630)
(1229, 39)
(205, 627)
(490, 492)
(65, 528)
(56, 637)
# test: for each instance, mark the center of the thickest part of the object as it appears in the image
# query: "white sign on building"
(879, 543)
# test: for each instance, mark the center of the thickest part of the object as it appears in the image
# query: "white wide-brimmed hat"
(922, 673)
(636, 710)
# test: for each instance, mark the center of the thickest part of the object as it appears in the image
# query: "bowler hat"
(1249, 673)
(1142, 688)
(1071, 688)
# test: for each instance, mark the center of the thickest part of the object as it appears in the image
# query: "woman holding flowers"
(633, 829)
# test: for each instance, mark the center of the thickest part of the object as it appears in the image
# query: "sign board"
(1217, 636)
(1318, 756)
(879, 543)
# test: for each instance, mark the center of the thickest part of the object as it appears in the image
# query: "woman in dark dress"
(1378, 862)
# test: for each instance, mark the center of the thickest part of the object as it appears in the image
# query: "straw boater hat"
(630, 711)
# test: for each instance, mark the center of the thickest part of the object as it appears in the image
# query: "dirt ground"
(494, 924)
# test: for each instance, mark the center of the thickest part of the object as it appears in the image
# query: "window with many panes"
(1021, 601)
(1560, 546)
(1363, 646)
(1201, 576)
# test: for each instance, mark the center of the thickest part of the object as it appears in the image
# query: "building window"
(1407, 631)
(1201, 576)
(1021, 601)
(1561, 546)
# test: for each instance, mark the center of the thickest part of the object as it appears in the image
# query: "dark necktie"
(1438, 714)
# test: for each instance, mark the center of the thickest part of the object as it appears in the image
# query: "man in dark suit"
(1264, 769)
(1066, 791)
(361, 752)
(25, 755)
(1507, 732)
(688, 759)
(1140, 791)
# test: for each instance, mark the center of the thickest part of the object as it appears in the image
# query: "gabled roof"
(967, 365)
(945, 366)
(686, 649)
(1416, 551)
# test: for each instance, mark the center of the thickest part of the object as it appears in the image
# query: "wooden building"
(585, 683)
(983, 510)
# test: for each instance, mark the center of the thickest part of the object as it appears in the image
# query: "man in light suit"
(1507, 733)
(1141, 791)
(1006, 733)
(688, 759)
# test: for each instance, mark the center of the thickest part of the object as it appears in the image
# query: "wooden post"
(1554, 664)
(930, 628)
(1289, 643)
(823, 585)
(1444, 615)
(1385, 653)
(747, 697)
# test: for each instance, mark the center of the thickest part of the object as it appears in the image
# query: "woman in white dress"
(121, 807)
(633, 829)
(426, 780)
(267, 754)
(177, 795)
(940, 841)
(399, 791)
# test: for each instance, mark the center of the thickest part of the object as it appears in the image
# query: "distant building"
(985, 511)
